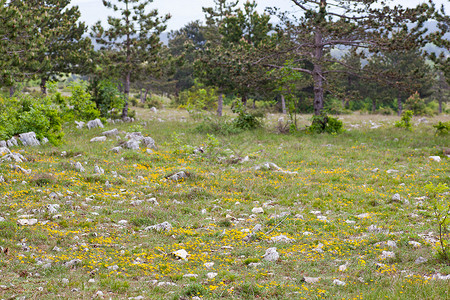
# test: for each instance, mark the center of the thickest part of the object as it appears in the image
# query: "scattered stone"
(57, 249)
(2, 219)
(257, 228)
(254, 265)
(27, 222)
(311, 279)
(29, 139)
(391, 244)
(114, 267)
(65, 280)
(98, 294)
(396, 198)
(181, 254)
(154, 109)
(190, 276)
(98, 170)
(338, 282)
(163, 283)
(116, 149)
(208, 265)
(17, 157)
(112, 132)
(79, 167)
(52, 208)
(435, 158)
(98, 139)
(281, 239)
(4, 150)
(363, 216)
(258, 210)
(12, 142)
(177, 176)
(149, 142)
(94, 124)
(132, 144)
(136, 136)
(123, 222)
(343, 268)
(414, 244)
(72, 263)
(271, 254)
(375, 170)
(440, 276)
(211, 275)
(420, 260)
(387, 254)
(164, 226)
(391, 171)
(80, 124)
(318, 249)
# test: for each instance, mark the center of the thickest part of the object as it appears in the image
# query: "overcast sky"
(183, 11)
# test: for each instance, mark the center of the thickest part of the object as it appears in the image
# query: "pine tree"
(130, 40)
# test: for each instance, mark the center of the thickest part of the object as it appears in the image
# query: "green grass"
(334, 176)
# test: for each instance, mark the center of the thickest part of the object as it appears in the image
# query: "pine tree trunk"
(141, 96)
(374, 105)
(283, 104)
(244, 100)
(126, 91)
(399, 105)
(220, 105)
(43, 86)
(254, 103)
(11, 91)
(440, 103)
(318, 74)
(145, 95)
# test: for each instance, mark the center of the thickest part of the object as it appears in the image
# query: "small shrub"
(195, 289)
(325, 124)
(81, 106)
(385, 111)
(405, 121)
(442, 128)
(247, 119)
(441, 209)
(415, 104)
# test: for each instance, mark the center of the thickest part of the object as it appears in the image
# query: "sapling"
(441, 207)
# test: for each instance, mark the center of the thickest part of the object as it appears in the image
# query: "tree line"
(326, 56)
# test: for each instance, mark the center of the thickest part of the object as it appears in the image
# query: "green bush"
(246, 119)
(107, 98)
(405, 121)
(198, 98)
(325, 124)
(81, 106)
(334, 106)
(25, 114)
(442, 128)
(416, 105)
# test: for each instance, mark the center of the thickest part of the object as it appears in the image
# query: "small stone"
(190, 276)
(258, 210)
(414, 244)
(79, 167)
(123, 222)
(375, 170)
(112, 132)
(65, 280)
(27, 222)
(94, 124)
(311, 279)
(166, 226)
(98, 294)
(363, 216)
(209, 265)
(318, 249)
(98, 170)
(271, 254)
(339, 282)
(181, 254)
(281, 239)
(92, 280)
(435, 158)
(257, 228)
(391, 171)
(387, 254)
(396, 198)
(211, 275)
(420, 260)
(391, 244)
(98, 139)
(116, 149)
(343, 268)
(40, 289)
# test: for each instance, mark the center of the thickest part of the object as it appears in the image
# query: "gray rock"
(17, 157)
(79, 167)
(132, 144)
(4, 150)
(178, 176)
(44, 140)
(420, 260)
(271, 254)
(94, 124)
(137, 136)
(98, 170)
(128, 120)
(112, 132)
(29, 139)
(99, 139)
(12, 142)
(257, 228)
(387, 254)
(339, 282)
(154, 109)
(2, 219)
(3, 144)
(80, 124)
(311, 279)
(20, 169)
(414, 244)
(72, 263)
(27, 222)
(396, 198)
(166, 226)
(281, 239)
(149, 142)
(391, 244)
(116, 149)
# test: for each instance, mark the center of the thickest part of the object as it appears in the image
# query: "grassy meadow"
(332, 199)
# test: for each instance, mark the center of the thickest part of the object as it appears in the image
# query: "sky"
(184, 11)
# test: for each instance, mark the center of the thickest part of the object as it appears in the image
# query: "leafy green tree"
(364, 26)
(130, 40)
